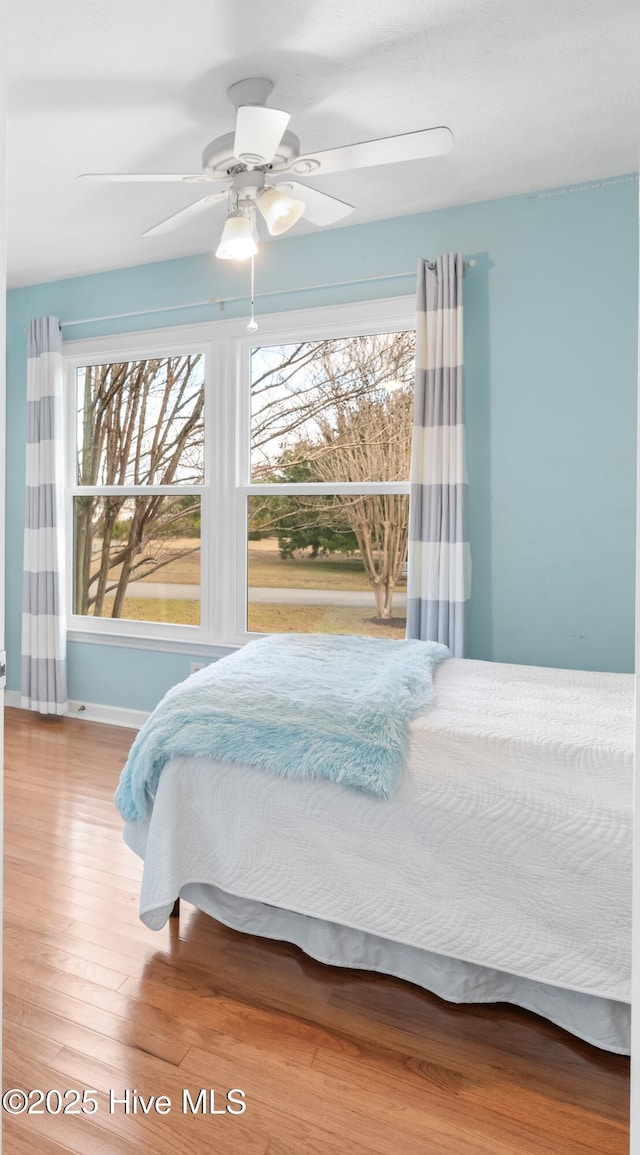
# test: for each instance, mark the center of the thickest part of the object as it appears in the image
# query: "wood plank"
(154, 1040)
(200, 1021)
(28, 1044)
(16, 915)
(477, 1096)
(166, 1134)
(81, 1134)
(31, 970)
(21, 1137)
(83, 948)
(385, 1125)
(60, 961)
(128, 897)
(389, 1014)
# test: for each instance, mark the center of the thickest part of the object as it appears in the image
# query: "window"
(136, 490)
(333, 414)
(219, 487)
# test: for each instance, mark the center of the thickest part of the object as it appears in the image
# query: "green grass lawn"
(185, 613)
(274, 619)
(264, 618)
(267, 568)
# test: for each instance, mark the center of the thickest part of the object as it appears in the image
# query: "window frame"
(226, 346)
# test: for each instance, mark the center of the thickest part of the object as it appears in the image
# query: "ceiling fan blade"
(367, 154)
(258, 133)
(188, 178)
(184, 215)
(319, 207)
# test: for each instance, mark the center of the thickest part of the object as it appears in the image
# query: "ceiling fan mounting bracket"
(255, 91)
(218, 159)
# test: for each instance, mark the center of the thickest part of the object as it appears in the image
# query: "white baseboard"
(91, 712)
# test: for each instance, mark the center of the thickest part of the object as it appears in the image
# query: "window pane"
(138, 558)
(141, 422)
(330, 565)
(335, 410)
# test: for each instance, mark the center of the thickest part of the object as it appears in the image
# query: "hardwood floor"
(330, 1061)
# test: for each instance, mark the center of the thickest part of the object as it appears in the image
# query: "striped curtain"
(44, 677)
(439, 559)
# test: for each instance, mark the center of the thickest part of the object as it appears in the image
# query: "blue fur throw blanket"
(298, 705)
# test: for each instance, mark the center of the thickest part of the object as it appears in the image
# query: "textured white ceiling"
(537, 92)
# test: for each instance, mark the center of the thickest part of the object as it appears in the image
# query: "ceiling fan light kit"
(279, 211)
(238, 240)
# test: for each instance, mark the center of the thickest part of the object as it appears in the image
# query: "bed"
(500, 870)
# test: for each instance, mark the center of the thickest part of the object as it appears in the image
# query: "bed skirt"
(604, 1023)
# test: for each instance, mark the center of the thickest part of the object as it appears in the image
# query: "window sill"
(141, 642)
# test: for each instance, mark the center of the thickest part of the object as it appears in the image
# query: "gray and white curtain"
(439, 560)
(44, 678)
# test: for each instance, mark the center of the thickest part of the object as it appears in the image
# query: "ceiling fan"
(256, 163)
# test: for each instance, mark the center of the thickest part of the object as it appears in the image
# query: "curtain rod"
(222, 301)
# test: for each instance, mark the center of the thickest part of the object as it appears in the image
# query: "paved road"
(292, 597)
(181, 593)
(295, 597)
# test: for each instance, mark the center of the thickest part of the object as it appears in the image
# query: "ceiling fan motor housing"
(219, 161)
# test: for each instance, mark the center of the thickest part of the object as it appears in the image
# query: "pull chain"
(253, 325)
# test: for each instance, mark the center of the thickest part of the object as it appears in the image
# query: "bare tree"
(140, 423)
(367, 441)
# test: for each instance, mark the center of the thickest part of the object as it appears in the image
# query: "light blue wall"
(551, 365)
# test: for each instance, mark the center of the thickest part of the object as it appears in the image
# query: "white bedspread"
(508, 843)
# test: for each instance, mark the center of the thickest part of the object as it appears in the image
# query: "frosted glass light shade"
(237, 241)
(279, 210)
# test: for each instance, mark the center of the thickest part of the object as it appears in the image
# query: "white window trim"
(225, 345)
